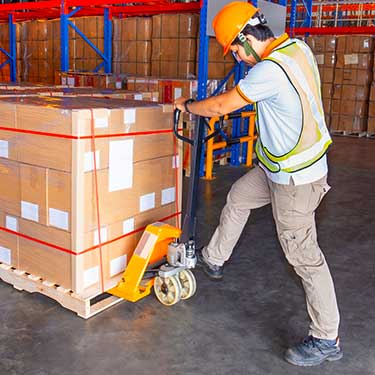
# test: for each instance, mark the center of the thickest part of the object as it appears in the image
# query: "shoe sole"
(331, 358)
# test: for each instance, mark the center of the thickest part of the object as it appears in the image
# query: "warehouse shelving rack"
(66, 9)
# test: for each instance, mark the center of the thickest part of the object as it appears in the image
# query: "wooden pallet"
(356, 134)
(85, 308)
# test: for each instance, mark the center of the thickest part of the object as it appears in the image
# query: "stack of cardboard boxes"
(4, 43)
(353, 77)
(62, 207)
(324, 49)
(218, 65)
(132, 45)
(37, 51)
(174, 42)
(371, 111)
(83, 57)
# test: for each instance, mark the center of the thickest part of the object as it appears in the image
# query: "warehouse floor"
(241, 325)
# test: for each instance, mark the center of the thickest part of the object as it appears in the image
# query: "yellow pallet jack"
(165, 255)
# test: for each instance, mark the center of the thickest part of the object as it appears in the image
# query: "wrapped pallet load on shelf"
(371, 112)
(37, 49)
(72, 206)
(324, 49)
(174, 42)
(4, 44)
(132, 45)
(218, 65)
(353, 77)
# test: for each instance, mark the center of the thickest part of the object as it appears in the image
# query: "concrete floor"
(241, 325)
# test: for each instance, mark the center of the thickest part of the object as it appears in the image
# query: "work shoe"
(213, 271)
(312, 352)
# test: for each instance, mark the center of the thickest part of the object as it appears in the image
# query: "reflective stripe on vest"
(296, 60)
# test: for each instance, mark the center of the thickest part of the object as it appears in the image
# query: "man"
(292, 143)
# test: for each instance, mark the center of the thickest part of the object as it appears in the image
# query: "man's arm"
(215, 105)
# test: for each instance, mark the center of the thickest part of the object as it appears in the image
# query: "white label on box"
(319, 59)
(128, 226)
(4, 149)
(118, 85)
(89, 161)
(177, 93)
(5, 256)
(59, 218)
(30, 211)
(351, 59)
(147, 202)
(71, 81)
(90, 276)
(168, 195)
(101, 122)
(129, 116)
(63, 81)
(120, 165)
(138, 97)
(366, 43)
(11, 223)
(117, 265)
(103, 236)
(176, 161)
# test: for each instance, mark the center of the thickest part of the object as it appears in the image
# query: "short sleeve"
(263, 81)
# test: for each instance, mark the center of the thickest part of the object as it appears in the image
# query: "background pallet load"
(49, 191)
(82, 56)
(4, 43)
(132, 45)
(324, 49)
(174, 42)
(371, 113)
(37, 51)
(353, 77)
(218, 65)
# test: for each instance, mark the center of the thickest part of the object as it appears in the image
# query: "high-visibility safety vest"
(297, 62)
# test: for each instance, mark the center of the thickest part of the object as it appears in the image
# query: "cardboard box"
(175, 26)
(355, 61)
(353, 77)
(371, 110)
(371, 126)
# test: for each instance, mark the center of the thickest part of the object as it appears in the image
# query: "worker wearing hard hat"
(293, 139)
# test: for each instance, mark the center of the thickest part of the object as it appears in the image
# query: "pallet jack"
(165, 255)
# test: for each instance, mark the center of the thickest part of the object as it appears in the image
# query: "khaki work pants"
(294, 214)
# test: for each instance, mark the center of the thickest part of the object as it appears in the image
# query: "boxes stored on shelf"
(77, 204)
(371, 112)
(174, 45)
(132, 45)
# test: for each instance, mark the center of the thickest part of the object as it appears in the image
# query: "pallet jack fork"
(165, 255)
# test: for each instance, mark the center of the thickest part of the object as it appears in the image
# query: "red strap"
(93, 148)
(59, 248)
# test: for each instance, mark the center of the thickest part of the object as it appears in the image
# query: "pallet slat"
(85, 308)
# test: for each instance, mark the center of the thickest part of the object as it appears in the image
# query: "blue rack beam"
(106, 55)
(12, 54)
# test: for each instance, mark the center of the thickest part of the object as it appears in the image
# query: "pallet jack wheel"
(188, 283)
(168, 290)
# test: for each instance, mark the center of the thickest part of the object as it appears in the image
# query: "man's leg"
(249, 192)
(294, 213)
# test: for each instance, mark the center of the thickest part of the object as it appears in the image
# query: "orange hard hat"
(230, 20)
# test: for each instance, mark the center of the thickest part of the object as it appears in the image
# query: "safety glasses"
(235, 56)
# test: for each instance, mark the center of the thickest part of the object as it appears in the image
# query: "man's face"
(239, 54)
